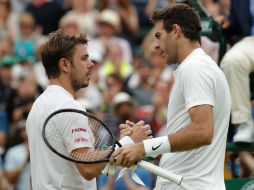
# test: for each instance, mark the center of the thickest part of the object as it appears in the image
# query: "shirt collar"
(60, 88)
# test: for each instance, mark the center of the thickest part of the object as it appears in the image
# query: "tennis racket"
(66, 130)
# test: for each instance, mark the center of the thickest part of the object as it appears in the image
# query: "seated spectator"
(69, 24)
(85, 15)
(6, 64)
(142, 93)
(124, 108)
(129, 21)
(92, 95)
(115, 62)
(114, 85)
(5, 16)
(24, 45)
(47, 14)
(108, 24)
(17, 166)
(23, 97)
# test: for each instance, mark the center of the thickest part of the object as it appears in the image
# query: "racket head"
(62, 138)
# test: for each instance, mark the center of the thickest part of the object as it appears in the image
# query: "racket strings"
(68, 132)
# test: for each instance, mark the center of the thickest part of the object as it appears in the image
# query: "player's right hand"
(138, 132)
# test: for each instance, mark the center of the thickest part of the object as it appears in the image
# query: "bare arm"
(89, 171)
(198, 133)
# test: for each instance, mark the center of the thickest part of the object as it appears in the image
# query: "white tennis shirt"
(198, 81)
(48, 170)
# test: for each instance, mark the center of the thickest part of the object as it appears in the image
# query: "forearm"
(12, 176)
(90, 171)
(190, 137)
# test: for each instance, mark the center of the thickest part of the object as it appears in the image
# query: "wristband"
(125, 140)
(156, 146)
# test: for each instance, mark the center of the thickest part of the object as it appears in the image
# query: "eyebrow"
(86, 56)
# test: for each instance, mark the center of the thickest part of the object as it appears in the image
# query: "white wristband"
(156, 146)
(125, 140)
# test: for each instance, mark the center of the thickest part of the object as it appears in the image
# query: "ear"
(64, 65)
(177, 30)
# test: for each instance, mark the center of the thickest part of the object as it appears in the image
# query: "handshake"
(133, 148)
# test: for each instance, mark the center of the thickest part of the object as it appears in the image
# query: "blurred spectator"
(6, 64)
(160, 69)
(85, 15)
(133, 79)
(143, 14)
(126, 183)
(24, 45)
(239, 24)
(6, 47)
(107, 4)
(91, 96)
(237, 64)
(19, 5)
(23, 98)
(156, 4)
(129, 20)
(5, 19)
(108, 26)
(17, 167)
(38, 68)
(69, 24)
(115, 62)
(124, 108)
(46, 13)
(143, 92)
(6, 90)
(114, 85)
(158, 111)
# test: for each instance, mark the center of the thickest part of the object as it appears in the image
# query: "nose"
(156, 45)
(91, 64)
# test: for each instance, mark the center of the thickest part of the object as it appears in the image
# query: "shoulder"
(73, 104)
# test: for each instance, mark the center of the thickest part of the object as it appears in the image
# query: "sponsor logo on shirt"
(77, 130)
(81, 139)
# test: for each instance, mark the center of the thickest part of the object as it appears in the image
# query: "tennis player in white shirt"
(68, 68)
(198, 109)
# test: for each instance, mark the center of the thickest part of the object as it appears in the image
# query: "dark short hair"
(183, 15)
(59, 45)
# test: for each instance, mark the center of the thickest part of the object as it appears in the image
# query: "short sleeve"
(197, 85)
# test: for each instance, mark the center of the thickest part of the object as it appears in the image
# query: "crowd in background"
(129, 80)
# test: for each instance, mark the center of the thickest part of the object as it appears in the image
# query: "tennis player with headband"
(67, 65)
(198, 110)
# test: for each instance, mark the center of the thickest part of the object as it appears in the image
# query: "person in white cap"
(108, 26)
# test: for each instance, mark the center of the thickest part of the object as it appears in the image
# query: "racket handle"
(161, 172)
